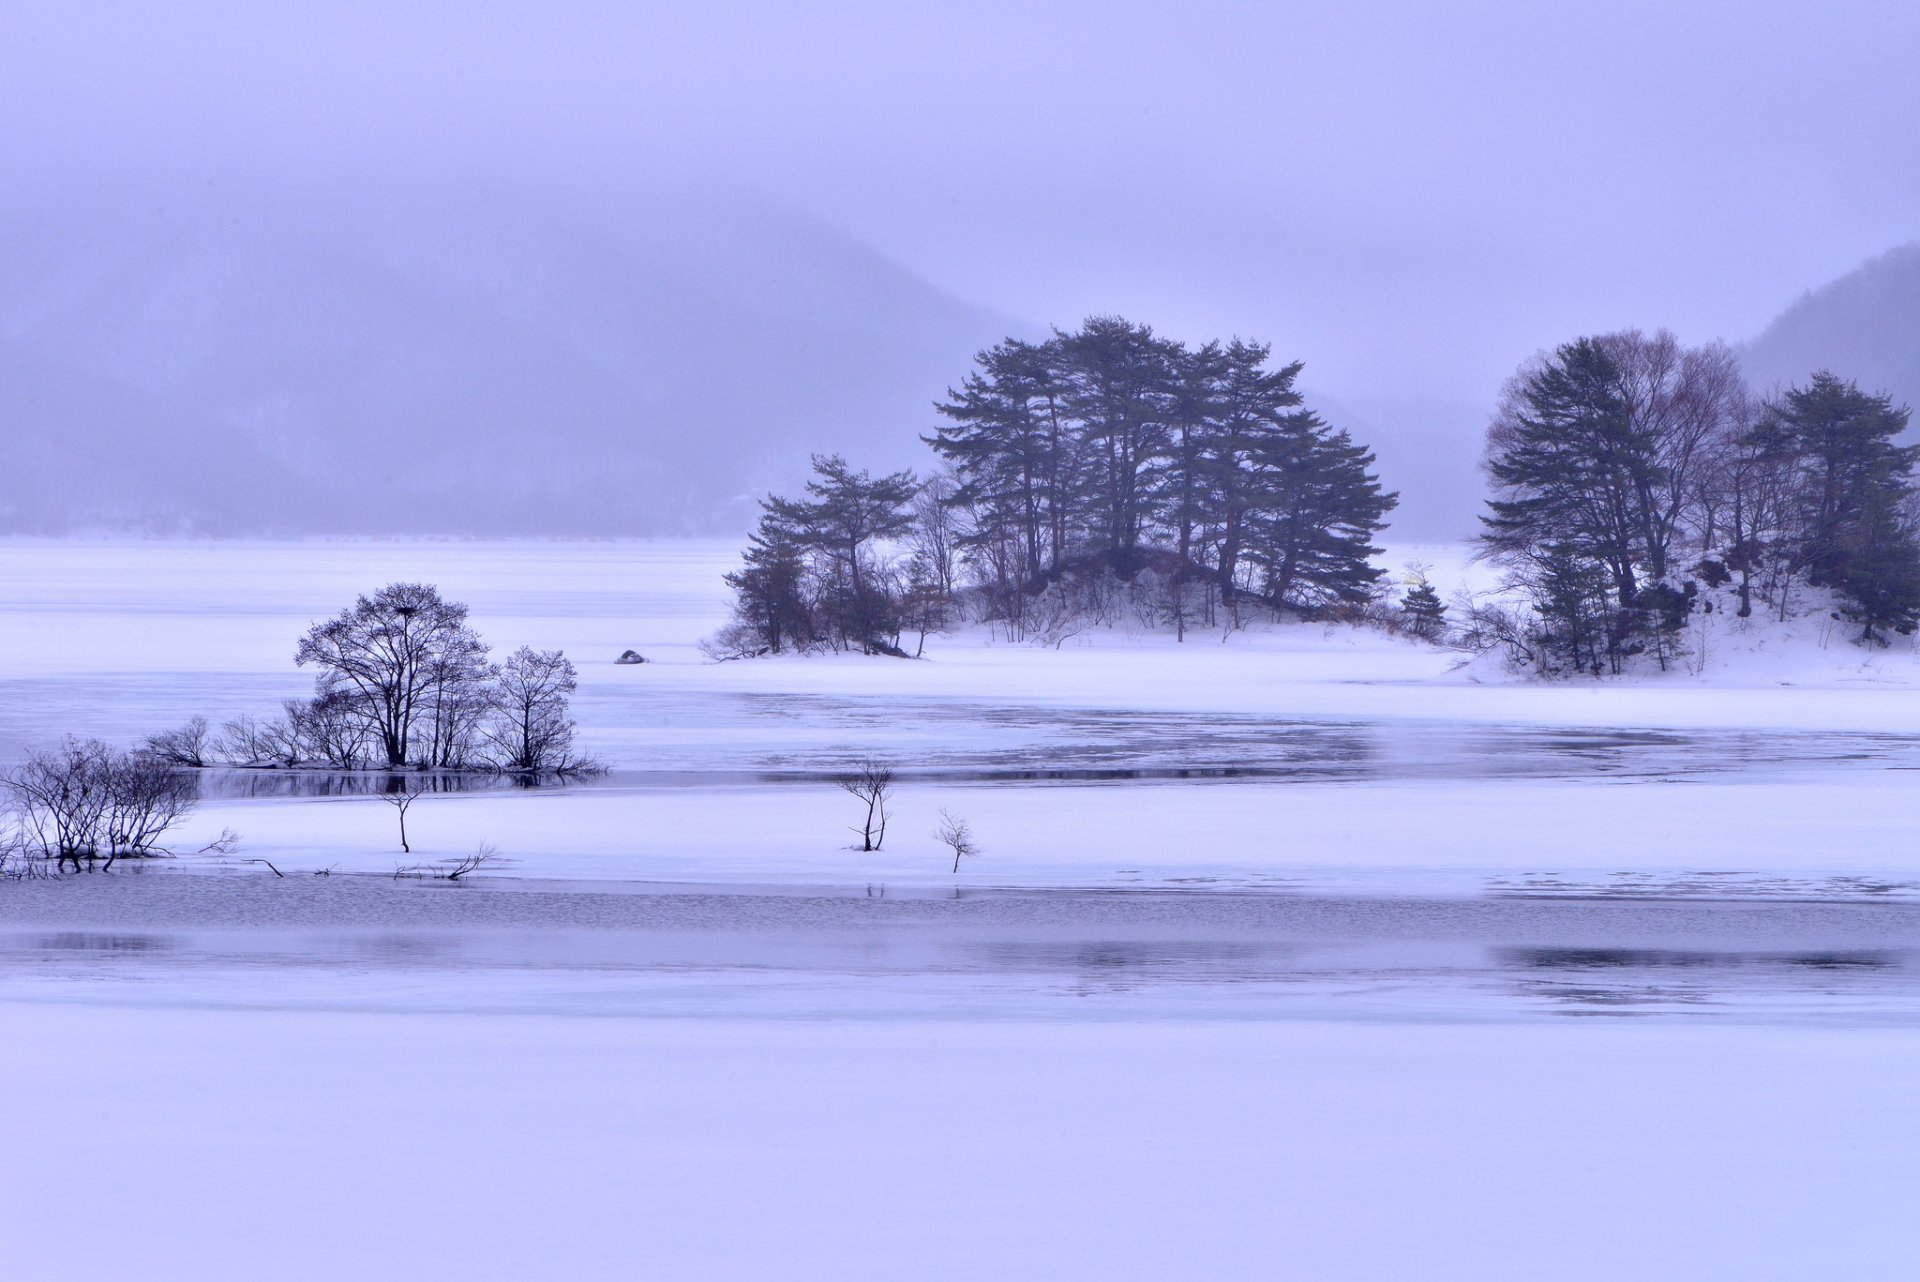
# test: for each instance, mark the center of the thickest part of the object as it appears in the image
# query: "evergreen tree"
(1570, 592)
(1008, 441)
(770, 598)
(1876, 569)
(1252, 403)
(1119, 380)
(1424, 612)
(1195, 416)
(834, 531)
(1848, 472)
(1568, 468)
(1312, 511)
(1071, 463)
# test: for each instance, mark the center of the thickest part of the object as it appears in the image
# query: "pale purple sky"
(1409, 196)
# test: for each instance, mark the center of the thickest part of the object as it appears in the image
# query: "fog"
(618, 268)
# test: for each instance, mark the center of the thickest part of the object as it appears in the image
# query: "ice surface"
(1297, 955)
(314, 1145)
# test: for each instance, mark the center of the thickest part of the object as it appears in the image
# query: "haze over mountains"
(249, 282)
(462, 359)
(442, 356)
(445, 357)
(1864, 326)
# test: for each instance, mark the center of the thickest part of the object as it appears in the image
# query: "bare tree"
(457, 697)
(957, 835)
(529, 729)
(871, 783)
(1681, 402)
(938, 529)
(186, 746)
(391, 649)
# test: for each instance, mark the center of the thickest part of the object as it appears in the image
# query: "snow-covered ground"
(1334, 757)
(1490, 978)
(231, 1146)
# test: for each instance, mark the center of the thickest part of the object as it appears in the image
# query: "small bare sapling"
(402, 791)
(455, 869)
(871, 783)
(956, 834)
(225, 844)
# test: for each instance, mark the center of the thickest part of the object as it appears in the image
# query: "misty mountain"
(297, 357)
(1865, 326)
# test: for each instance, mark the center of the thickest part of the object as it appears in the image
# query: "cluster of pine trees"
(1629, 471)
(817, 574)
(1104, 469)
(1110, 474)
(1112, 449)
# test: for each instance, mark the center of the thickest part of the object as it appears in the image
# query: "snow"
(288, 1144)
(1366, 761)
(1301, 952)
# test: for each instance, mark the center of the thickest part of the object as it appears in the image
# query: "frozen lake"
(376, 944)
(1298, 955)
(1301, 757)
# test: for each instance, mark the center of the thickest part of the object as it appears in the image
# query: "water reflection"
(75, 941)
(1649, 958)
(727, 738)
(231, 783)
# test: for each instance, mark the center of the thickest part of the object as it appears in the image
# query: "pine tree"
(1424, 612)
(1876, 569)
(770, 593)
(1570, 594)
(1252, 402)
(1568, 468)
(1119, 380)
(848, 512)
(1312, 513)
(1848, 473)
(1008, 441)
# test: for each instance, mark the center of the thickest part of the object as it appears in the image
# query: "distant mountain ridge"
(446, 359)
(1865, 326)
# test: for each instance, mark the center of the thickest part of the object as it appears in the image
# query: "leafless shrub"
(871, 784)
(60, 795)
(1490, 624)
(225, 844)
(454, 869)
(186, 746)
(18, 862)
(735, 640)
(957, 835)
(83, 800)
(249, 741)
(145, 798)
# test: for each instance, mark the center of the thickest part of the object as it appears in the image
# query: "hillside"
(445, 358)
(1864, 326)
